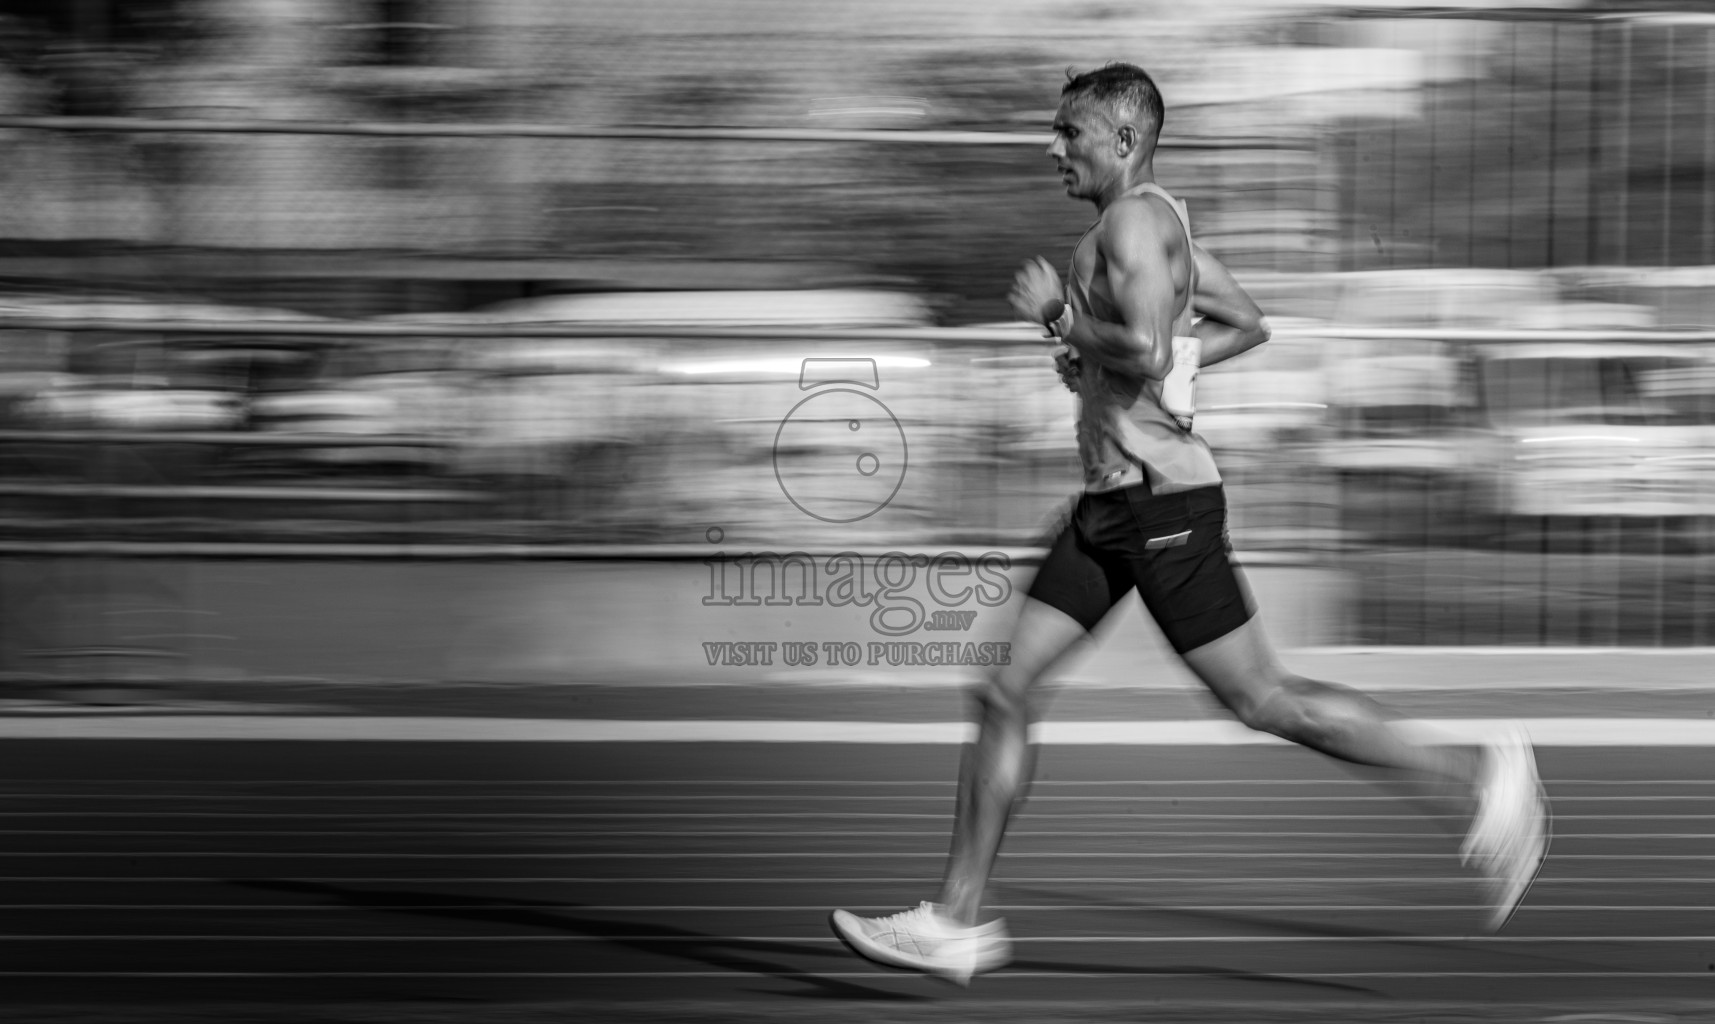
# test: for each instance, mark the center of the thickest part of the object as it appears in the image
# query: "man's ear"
(1127, 139)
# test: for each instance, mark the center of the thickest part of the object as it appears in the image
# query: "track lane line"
(1544, 732)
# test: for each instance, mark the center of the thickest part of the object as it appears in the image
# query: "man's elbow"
(1260, 332)
(1257, 333)
(1152, 361)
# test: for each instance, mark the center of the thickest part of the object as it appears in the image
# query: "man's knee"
(1290, 709)
(1000, 696)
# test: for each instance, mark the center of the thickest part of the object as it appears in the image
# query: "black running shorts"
(1172, 547)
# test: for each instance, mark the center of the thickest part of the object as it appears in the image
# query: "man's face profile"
(1083, 146)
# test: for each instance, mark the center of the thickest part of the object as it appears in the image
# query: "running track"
(161, 879)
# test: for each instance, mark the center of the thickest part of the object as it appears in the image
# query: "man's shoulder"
(1141, 218)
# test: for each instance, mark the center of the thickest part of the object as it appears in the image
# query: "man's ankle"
(955, 908)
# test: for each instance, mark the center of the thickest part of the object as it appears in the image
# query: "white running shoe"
(925, 939)
(1510, 834)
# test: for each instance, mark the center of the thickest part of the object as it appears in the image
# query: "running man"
(1152, 516)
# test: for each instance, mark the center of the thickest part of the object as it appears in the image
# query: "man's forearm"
(1118, 348)
(1223, 341)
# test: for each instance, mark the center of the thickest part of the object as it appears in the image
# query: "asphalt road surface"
(392, 880)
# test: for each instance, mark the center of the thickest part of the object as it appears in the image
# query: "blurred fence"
(1380, 137)
(399, 198)
(1538, 138)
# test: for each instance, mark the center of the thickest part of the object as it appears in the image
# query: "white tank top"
(1121, 423)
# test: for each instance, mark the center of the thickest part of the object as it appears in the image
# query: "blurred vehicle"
(558, 424)
(1443, 297)
(136, 400)
(554, 424)
(1601, 430)
(402, 401)
(1466, 298)
(1040, 422)
(1665, 296)
(100, 402)
(117, 380)
(143, 378)
(658, 425)
(829, 307)
(1404, 445)
(1272, 395)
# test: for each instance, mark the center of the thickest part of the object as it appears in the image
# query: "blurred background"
(291, 282)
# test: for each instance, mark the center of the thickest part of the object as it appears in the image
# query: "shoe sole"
(1547, 841)
(880, 957)
(874, 956)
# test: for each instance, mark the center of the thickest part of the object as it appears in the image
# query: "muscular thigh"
(1240, 668)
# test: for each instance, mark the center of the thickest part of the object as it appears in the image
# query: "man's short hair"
(1124, 85)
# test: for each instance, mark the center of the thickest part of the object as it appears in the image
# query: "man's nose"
(1056, 148)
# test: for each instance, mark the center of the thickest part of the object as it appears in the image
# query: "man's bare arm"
(1137, 247)
(1232, 322)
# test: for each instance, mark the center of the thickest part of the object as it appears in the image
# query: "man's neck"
(1143, 174)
